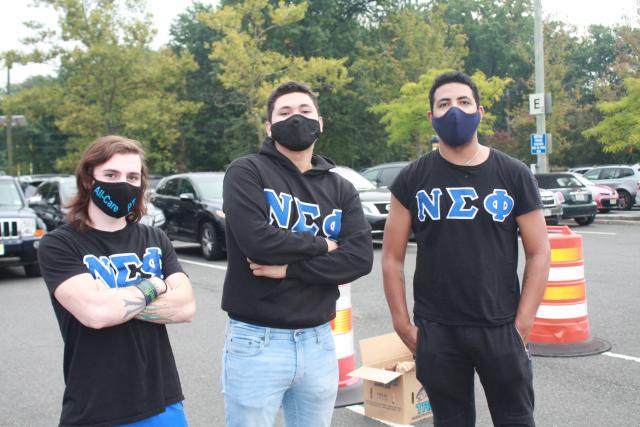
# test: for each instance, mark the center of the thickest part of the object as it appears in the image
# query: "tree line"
(199, 102)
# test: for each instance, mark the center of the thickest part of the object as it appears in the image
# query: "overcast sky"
(581, 13)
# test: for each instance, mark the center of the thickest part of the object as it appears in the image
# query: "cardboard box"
(388, 395)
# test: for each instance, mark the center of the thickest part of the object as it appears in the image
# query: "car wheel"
(604, 210)
(585, 220)
(209, 242)
(32, 270)
(624, 200)
(552, 221)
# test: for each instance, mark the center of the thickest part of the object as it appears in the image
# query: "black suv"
(192, 207)
(20, 229)
(383, 175)
(51, 197)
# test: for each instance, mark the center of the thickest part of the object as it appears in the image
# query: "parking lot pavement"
(601, 390)
(615, 216)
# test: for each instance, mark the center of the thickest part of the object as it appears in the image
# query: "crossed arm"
(279, 253)
(97, 306)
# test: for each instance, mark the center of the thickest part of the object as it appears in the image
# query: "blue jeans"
(265, 368)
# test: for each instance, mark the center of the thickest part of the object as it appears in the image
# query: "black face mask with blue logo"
(116, 199)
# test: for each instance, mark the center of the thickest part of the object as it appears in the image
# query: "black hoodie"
(264, 195)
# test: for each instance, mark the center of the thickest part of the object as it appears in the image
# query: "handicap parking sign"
(538, 143)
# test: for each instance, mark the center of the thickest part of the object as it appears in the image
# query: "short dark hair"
(289, 87)
(453, 77)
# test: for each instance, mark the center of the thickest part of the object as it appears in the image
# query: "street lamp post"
(8, 123)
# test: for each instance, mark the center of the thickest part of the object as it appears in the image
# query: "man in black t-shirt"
(465, 204)
(114, 283)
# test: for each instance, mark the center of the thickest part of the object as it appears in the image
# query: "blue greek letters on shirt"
(459, 196)
(498, 204)
(280, 213)
(120, 270)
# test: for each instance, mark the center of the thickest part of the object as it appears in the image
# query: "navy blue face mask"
(116, 199)
(456, 127)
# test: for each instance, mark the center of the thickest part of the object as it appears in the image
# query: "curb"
(617, 221)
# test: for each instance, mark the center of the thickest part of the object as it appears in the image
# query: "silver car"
(552, 206)
(624, 179)
(375, 201)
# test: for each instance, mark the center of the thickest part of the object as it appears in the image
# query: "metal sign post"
(543, 163)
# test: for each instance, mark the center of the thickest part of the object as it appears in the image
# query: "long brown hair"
(97, 153)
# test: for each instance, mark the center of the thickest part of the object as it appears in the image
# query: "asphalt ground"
(601, 390)
(617, 217)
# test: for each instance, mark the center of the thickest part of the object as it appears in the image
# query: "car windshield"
(583, 180)
(68, 190)
(9, 194)
(210, 186)
(360, 182)
(558, 181)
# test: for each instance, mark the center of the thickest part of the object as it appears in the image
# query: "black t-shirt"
(463, 218)
(123, 373)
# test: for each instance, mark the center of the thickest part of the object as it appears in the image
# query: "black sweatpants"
(446, 358)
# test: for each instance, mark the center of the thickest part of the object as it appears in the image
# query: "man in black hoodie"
(295, 231)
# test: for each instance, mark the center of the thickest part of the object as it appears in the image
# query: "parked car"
(625, 179)
(30, 183)
(577, 201)
(580, 169)
(382, 175)
(53, 195)
(20, 229)
(552, 206)
(606, 198)
(153, 182)
(192, 207)
(375, 201)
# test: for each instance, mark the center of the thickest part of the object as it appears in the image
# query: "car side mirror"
(187, 196)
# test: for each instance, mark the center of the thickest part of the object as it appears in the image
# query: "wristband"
(148, 290)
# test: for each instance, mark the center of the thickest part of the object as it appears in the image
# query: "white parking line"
(622, 356)
(202, 264)
(359, 409)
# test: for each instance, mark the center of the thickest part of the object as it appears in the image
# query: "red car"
(605, 197)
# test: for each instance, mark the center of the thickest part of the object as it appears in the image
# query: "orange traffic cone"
(349, 388)
(561, 326)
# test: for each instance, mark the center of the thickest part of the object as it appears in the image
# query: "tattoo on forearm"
(131, 307)
(153, 313)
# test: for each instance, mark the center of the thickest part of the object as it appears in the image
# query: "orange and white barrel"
(562, 316)
(342, 329)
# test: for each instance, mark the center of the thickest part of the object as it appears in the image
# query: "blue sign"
(538, 143)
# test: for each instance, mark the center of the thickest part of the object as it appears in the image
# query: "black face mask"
(297, 133)
(116, 199)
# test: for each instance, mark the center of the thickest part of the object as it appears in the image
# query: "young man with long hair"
(114, 284)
